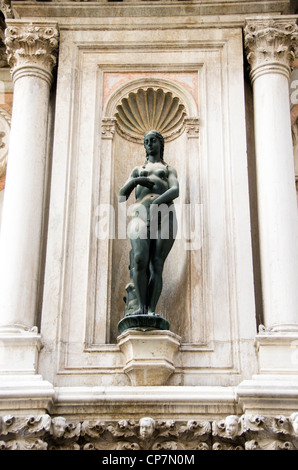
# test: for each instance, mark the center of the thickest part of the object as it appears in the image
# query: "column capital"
(271, 44)
(32, 45)
(108, 126)
(192, 127)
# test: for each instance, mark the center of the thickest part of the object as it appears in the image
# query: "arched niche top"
(148, 104)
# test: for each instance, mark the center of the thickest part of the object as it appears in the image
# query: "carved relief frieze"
(32, 44)
(271, 41)
(246, 432)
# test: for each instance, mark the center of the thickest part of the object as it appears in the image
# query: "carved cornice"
(271, 45)
(246, 432)
(33, 45)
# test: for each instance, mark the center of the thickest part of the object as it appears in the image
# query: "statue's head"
(160, 139)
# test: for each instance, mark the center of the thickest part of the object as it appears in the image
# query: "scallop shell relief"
(149, 109)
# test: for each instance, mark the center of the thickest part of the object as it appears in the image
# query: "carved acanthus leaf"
(32, 44)
(271, 41)
(249, 432)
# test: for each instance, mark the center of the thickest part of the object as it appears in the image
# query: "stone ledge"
(148, 9)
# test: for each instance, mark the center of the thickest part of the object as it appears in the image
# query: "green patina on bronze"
(152, 234)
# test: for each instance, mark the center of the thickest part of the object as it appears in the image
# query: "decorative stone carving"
(150, 108)
(108, 128)
(3, 57)
(249, 432)
(5, 7)
(5, 120)
(148, 434)
(192, 127)
(271, 42)
(32, 45)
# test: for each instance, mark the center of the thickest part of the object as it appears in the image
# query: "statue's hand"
(144, 181)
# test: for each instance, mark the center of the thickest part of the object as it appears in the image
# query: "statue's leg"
(159, 251)
(140, 272)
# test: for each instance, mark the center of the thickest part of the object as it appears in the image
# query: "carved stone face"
(59, 426)
(147, 426)
(231, 424)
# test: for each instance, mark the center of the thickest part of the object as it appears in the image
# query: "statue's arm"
(128, 187)
(172, 192)
(131, 183)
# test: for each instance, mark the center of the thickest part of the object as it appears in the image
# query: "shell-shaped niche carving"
(149, 109)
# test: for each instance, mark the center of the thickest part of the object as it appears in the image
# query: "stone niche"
(189, 85)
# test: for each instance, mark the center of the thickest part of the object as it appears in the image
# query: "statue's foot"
(140, 311)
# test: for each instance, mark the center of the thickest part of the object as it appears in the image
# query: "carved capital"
(32, 45)
(108, 127)
(192, 127)
(271, 44)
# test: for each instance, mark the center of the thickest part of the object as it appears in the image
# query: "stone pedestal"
(149, 355)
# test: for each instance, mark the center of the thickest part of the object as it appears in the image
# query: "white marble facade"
(78, 70)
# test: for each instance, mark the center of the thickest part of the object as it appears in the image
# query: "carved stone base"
(278, 352)
(19, 348)
(149, 355)
(21, 387)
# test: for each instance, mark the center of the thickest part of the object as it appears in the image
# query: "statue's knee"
(157, 266)
(140, 262)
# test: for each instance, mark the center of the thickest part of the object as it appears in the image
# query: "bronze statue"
(152, 230)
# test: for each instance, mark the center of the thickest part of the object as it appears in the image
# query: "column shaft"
(23, 205)
(278, 220)
(270, 44)
(31, 51)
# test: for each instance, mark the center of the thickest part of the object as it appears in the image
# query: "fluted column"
(270, 45)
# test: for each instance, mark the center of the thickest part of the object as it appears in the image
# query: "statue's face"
(152, 144)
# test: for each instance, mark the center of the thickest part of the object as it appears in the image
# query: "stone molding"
(32, 45)
(246, 432)
(271, 45)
